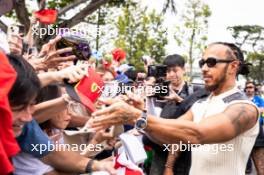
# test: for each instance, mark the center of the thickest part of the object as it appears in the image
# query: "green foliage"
(250, 39)
(11, 14)
(141, 34)
(191, 34)
(251, 35)
(257, 69)
(49, 4)
(116, 3)
(58, 4)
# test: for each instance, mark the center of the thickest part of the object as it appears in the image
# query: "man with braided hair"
(224, 126)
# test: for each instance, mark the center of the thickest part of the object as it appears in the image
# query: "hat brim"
(79, 97)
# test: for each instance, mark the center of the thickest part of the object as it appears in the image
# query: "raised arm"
(221, 127)
(72, 74)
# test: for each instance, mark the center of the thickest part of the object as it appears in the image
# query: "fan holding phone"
(14, 37)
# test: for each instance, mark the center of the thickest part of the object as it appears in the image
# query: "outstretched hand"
(119, 112)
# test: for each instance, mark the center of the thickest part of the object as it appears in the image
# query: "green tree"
(250, 39)
(70, 14)
(169, 4)
(141, 33)
(248, 36)
(22, 12)
(257, 68)
(192, 34)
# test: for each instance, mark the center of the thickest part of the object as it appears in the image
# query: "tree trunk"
(22, 13)
(79, 17)
(191, 52)
(70, 6)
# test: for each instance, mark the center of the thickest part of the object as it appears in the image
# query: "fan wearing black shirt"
(179, 101)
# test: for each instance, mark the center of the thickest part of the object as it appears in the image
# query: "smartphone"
(12, 30)
(21, 29)
(16, 29)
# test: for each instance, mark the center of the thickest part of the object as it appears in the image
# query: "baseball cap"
(87, 90)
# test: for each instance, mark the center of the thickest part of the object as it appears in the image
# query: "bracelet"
(88, 168)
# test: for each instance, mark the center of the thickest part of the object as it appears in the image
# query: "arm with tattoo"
(221, 127)
(236, 119)
(242, 117)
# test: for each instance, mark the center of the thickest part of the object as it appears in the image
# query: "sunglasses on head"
(211, 62)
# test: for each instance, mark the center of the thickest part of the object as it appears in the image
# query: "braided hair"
(237, 52)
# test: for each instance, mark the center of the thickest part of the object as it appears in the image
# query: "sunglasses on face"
(211, 62)
(250, 87)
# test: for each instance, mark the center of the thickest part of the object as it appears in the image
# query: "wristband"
(88, 168)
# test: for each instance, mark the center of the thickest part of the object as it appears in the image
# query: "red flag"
(8, 144)
(46, 16)
(127, 171)
(87, 90)
(118, 54)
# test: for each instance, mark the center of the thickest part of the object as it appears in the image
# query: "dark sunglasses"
(250, 87)
(211, 62)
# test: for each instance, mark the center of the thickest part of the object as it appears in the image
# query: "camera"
(157, 71)
(80, 47)
(161, 87)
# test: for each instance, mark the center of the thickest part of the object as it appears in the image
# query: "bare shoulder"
(243, 116)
